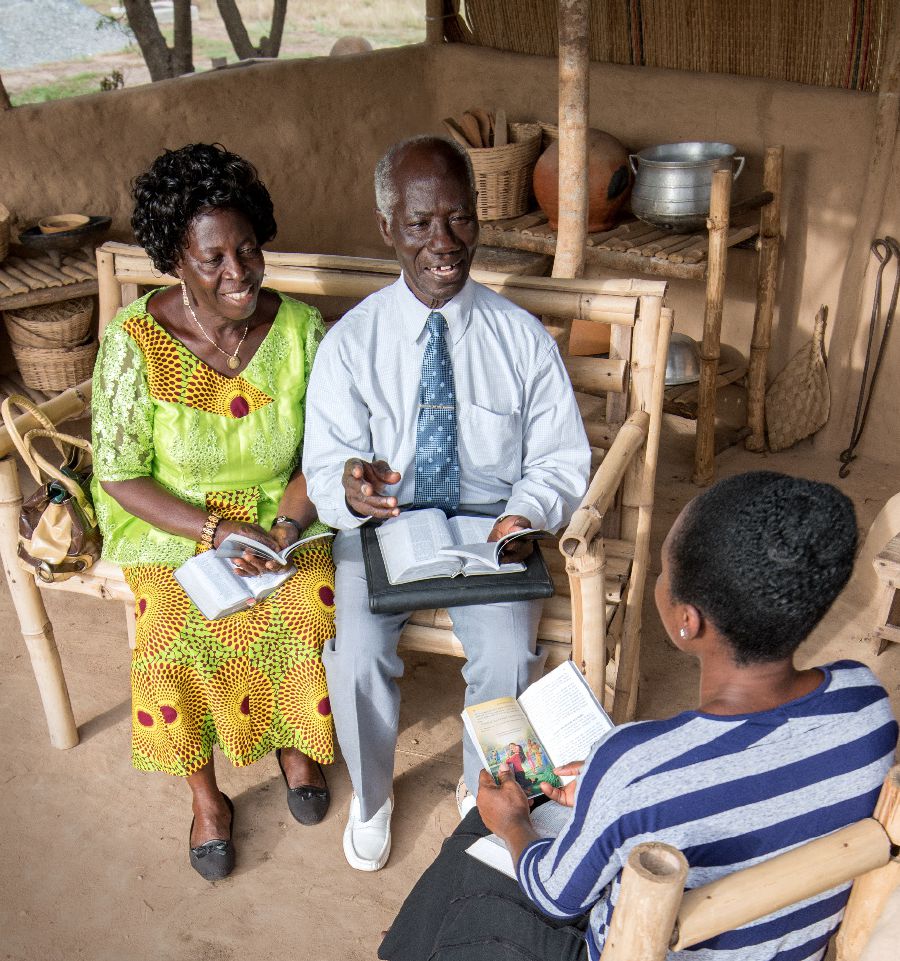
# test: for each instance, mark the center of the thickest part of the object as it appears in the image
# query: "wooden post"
(766, 280)
(871, 891)
(647, 387)
(36, 629)
(652, 885)
(719, 206)
(573, 19)
(130, 624)
(434, 21)
(587, 586)
(109, 291)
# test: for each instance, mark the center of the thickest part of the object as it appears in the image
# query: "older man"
(514, 437)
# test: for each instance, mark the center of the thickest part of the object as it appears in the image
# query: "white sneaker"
(367, 844)
(465, 800)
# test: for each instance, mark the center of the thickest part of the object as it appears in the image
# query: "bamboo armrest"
(586, 521)
(71, 403)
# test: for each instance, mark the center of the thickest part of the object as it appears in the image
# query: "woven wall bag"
(799, 399)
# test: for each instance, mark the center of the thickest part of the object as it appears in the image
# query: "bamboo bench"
(601, 567)
(655, 915)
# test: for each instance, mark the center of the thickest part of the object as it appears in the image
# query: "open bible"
(558, 719)
(422, 544)
(210, 581)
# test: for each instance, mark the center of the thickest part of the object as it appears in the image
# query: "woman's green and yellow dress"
(253, 681)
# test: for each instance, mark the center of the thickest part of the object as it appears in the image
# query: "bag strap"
(27, 406)
(51, 470)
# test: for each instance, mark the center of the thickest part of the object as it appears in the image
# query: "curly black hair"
(183, 183)
(763, 556)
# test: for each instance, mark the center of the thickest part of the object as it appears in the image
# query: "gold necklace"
(233, 360)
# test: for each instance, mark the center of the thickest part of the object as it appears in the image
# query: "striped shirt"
(728, 792)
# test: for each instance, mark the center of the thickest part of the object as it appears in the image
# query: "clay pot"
(609, 180)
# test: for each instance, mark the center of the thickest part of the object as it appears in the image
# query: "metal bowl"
(682, 361)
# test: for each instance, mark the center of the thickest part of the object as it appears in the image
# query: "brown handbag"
(58, 533)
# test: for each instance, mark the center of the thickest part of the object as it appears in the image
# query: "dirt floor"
(95, 862)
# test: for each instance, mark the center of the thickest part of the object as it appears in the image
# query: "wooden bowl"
(60, 223)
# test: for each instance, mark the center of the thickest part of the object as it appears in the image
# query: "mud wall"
(315, 128)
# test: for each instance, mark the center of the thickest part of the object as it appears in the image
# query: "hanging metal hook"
(883, 249)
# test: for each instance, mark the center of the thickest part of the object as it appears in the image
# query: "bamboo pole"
(70, 403)
(597, 375)
(574, 41)
(35, 625)
(434, 21)
(871, 891)
(767, 277)
(587, 519)
(648, 386)
(108, 287)
(587, 587)
(704, 450)
(652, 885)
(755, 892)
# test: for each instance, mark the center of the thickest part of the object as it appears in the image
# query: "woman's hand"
(249, 563)
(285, 533)
(564, 795)
(504, 809)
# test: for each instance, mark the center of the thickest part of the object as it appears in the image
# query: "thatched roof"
(830, 43)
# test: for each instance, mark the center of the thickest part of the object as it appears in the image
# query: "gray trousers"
(362, 666)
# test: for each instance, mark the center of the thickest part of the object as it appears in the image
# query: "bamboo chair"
(601, 568)
(655, 915)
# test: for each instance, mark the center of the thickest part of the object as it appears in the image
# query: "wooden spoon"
(471, 129)
(501, 134)
(453, 128)
(483, 118)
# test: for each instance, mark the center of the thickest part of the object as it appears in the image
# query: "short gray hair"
(386, 194)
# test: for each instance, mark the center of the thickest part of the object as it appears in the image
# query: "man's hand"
(364, 485)
(518, 550)
(503, 807)
(564, 795)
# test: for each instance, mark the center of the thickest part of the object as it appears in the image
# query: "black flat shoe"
(308, 804)
(214, 860)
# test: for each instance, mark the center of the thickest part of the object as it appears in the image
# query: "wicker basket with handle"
(503, 174)
(798, 401)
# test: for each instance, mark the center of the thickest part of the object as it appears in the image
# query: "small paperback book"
(422, 544)
(210, 581)
(558, 719)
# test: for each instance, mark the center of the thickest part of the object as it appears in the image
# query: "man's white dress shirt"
(521, 439)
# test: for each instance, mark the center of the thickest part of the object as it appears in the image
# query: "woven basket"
(4, 232)
(503, 174)
(49, 368)
(799, 399)
(66, 324)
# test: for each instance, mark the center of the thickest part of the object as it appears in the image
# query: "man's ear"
(384, 227)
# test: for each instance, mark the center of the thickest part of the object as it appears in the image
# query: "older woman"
(748, 570)
(198, 424)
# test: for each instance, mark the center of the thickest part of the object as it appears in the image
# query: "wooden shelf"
(34, 280)
(632, 245)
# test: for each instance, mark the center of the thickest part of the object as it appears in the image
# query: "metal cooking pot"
(673, 182)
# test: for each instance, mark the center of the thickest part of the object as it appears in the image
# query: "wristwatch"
(284, 519)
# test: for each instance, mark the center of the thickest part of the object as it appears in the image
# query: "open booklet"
(558, 719)
(211, 582)
(422, 544)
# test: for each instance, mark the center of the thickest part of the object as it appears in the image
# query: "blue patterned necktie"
(437, 461)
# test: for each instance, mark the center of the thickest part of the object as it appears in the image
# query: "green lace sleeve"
(121, 409)
(315, 331)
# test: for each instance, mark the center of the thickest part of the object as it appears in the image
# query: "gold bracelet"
(209, 529)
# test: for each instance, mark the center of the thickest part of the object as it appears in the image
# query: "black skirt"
(462, 910)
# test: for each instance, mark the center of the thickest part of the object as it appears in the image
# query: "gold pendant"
(233, 363)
